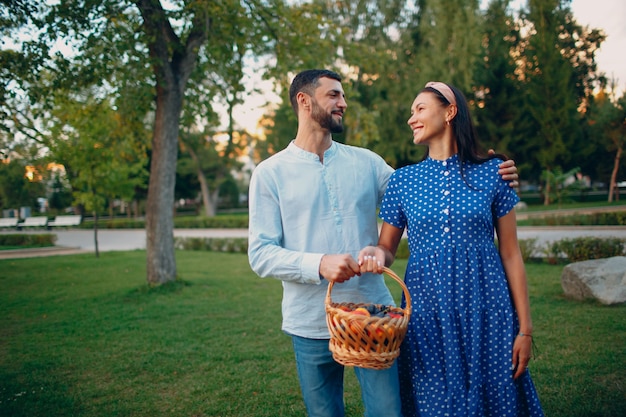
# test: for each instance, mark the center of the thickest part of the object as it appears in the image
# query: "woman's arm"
(506, 229)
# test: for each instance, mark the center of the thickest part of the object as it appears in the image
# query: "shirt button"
(446, 173)
(446, 229)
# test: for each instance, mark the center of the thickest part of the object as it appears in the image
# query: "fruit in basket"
(361, 311)
(395, 315)
(376, 331)
(355, 327)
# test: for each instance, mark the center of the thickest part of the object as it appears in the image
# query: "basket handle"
(393, 275)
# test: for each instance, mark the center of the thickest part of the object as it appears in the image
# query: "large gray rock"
(602, 279)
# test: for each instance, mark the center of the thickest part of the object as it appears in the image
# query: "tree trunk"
(208, 208)
(95, 233)
(161, 262)
(547, 190)
(172, 62)
(214, 196)
(613, 189)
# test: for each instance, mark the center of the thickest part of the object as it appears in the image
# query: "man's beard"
(326, 120)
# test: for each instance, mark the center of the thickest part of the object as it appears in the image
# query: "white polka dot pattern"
(456, 357)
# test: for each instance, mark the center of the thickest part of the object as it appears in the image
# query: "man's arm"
(266, 254)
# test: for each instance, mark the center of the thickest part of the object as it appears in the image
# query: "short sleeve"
(505, 199)
(391, 208)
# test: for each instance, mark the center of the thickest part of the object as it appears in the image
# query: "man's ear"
(304, 100)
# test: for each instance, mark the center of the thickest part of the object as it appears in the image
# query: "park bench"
(40, 221)
(9, 222)
(66, 221)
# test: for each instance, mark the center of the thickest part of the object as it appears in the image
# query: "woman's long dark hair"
(463, 130)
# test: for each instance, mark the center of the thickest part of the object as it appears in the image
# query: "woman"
(469, 339)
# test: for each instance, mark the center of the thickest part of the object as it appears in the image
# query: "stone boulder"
(602, 279)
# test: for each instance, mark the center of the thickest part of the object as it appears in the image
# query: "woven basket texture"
(366, 341)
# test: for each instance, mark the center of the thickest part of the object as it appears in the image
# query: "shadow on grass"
(172, 287)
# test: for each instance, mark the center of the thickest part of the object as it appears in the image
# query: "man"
(312, 208)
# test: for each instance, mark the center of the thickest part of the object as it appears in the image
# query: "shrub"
(617, 218)
(528, 247)
(552, 253)
(24, 239)
(585, 248)
(230, 245)
(566, 250)
(226, 221)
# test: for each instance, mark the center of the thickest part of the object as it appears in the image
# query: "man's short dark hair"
(307, 81)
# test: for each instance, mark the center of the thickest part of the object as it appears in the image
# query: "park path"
(82, 241)
(70, 241)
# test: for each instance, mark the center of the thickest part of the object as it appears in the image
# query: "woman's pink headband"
(443, 89)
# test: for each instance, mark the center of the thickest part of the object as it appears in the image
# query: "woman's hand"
(371, 259)
(522, 350)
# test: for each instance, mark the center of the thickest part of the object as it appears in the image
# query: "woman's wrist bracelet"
(525, 334)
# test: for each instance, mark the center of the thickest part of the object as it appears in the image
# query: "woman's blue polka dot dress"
(456, 357)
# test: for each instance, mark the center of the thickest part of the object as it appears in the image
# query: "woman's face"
(428, 119)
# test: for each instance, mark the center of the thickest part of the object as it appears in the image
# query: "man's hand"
(508, 170)
(339, 268)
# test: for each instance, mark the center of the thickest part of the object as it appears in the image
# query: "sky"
(609, 15)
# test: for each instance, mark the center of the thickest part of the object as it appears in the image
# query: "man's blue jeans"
(321, 381)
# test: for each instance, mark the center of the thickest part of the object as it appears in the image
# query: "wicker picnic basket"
(366, 341)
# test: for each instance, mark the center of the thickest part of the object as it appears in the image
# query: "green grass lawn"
(85, 336)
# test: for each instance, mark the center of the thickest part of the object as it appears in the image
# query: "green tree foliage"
(503, 60)
(210, 163)
(16, 189)
(380, 75)
(60, 196)
(449, 35)
(557, 77)
(161, 49)
(608, 128)
(103, 157)
(550, 110)
(557, 182)
(496, 94)
(279, 127)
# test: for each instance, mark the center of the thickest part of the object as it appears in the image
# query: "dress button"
(446, 211)
(446, 229)
(446, 173)
(446, 192)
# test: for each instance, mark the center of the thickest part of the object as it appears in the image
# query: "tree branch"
(161, 37)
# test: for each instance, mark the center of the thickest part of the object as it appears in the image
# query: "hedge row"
(584, 248)
(188, 222)
(231, 245)
(562, 251)
(617, 218)
(240, 221)
(29, 240)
